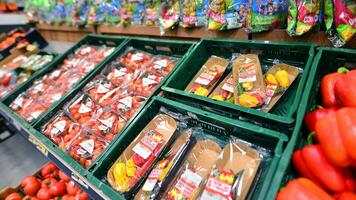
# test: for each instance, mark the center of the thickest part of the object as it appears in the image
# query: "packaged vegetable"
(106, 124)
(249, 83)
(61, 130)
(278, 79)
(207, 77)
(217, 12)
(120, 75)
(340, 20)
(267, 15)
(82, 108)
(138, 158)
(86, 147)
(152, 12)
(145, 84)
(194, 171)
(135, 59)
(163, 171)
(303, 16)
(162, 65)
(233, 173)
(225, 90)
(169, 16)
(127, 104)
(99, 89)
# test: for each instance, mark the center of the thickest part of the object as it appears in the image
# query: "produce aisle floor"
(18, 158)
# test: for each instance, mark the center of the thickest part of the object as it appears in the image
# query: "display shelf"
(320, 38)
(84, 184)
(64, 32)
(153, 31)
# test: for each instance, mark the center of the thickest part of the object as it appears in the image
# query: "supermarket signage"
(38, 145)
(79, 180)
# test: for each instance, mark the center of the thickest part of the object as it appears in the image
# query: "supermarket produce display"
(48, 183)
(143, 118)
(297, 18)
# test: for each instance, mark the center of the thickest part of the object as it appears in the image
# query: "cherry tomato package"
(138, 158)
(82, 108)
(267, 15)
(127, 104)
(303, 16)
(102, 91)
(86, 147)
(120, 75)
(162, 65)
(340, 17)
(61, 130)
(145, 84)
(106, 124)
(135, 59)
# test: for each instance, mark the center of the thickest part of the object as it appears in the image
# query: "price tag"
(38, 145)
(77, 179)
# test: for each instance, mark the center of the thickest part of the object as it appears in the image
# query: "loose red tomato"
(44, 194)
(67, 197)
(58, 189)
(49, 170)
(29, 198)
(63, 176)
(48, 182)
(30, 185)
(14, 196)
(72, 188)
(81, 195)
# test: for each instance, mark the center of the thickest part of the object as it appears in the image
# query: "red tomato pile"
(54, 85)
(50, 183)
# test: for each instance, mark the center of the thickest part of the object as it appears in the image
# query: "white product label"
(107, 122)
(60, 125)
(55, 74)
(270, 90)
(36, 114)
(85, 50)
(137, 57)
(148, 81)
(18, 101)
(229, 85)
(89, 66)
(38, 87)
(108, 52)
(103, 127)
(160, 64)
(204, 78)
(119, 73)
(188, 183)
(87, 147)
(74, 81)
(84, 108)
(125, 103)
(152, 179)
(145, 147)
(247, 73)
(102, 88)
(56, 97)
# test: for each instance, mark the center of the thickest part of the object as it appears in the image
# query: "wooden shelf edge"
(65, 28)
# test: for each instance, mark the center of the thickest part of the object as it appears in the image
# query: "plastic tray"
(282, 116)
(89, 39)
(211, 123)
(326, 61)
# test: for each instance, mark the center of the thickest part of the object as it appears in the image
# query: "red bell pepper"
(312, 117)
(333, 178)
(327, 86)
(302, 189)
(336, 133)
(345, 90)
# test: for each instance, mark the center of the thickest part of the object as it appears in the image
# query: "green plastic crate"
(165, 47)
(282, 116)
(211, 123)
(326, 61)
(89, 39)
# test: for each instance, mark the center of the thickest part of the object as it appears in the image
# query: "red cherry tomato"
(49, 170)
(48, 182)
(72, 188)
(81, 195)
(44, 194)
(63, 176)
(30, 185)
(14, 196)
(29, 198)
(58, 189)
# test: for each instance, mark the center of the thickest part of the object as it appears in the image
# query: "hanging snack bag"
(69, 13)
(151, 14)
(112, 12)
(225, 90)
(169, 16)
(344, 21)
(232, 14)
(138, 8)
(278, 79)
(217, 12)
(162, 172)
(267, 15)
(194, 171)
(126, 12)
(189, 16)
(207, 77)
(59, 12)
(96, 12)
(232, 174)
(80, 12)
(249, 82)
(138, 158)
(303, 16)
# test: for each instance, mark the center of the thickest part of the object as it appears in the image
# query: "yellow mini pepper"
(282, 78)
(120, 174)
(270, 78)
(202, 91)
(130, 168)
(247, 100)
(218, 98)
